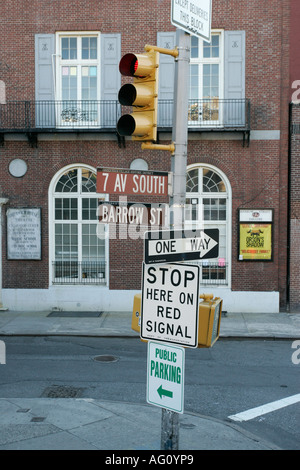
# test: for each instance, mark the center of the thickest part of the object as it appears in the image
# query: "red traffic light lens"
(128, 65)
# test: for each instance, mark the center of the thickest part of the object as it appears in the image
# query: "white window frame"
(214, 224)
(79, 63)
(52, 220)
(200, 61)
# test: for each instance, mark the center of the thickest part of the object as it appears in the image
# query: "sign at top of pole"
(193, 16)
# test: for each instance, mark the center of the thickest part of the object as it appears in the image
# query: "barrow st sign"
(168, 246)
(170, 299)
(132, 213)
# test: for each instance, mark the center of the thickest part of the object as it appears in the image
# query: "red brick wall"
(258, 174)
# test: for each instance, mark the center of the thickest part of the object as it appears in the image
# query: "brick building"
(58, 112)
(294, 167)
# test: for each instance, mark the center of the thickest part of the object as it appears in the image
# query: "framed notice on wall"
(255, 235)
(24, 234)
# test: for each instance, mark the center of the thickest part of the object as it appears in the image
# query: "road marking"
(264, 409)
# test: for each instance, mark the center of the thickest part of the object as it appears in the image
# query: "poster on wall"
(24, 234)
(255, 235)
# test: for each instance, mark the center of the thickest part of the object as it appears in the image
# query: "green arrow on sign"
(166, 393)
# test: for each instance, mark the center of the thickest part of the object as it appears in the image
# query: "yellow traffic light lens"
(127, 94)
(126, 125)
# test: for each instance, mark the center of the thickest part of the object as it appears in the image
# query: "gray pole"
(180, 128)
(170, 422)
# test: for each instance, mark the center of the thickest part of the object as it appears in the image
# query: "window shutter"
(44, 80)
(166, 79)
(234, 86)
(110, 78)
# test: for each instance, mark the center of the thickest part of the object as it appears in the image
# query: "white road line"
(262, 410)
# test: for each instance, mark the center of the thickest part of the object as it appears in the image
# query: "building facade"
(294, 169)
(58, 113)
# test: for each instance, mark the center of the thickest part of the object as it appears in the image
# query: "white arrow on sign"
(202, 244)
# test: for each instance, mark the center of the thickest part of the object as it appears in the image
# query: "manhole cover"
(62, 391)
(106, 358)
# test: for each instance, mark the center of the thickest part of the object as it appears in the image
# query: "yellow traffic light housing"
(142, 94)
(209, 321)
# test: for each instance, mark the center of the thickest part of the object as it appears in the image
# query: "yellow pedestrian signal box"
(136, 313)
(210, 311)
(142, 94)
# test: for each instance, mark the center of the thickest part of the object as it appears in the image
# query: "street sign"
(193, 16)
(122, 181)
(165, 376)
(170, 298)
(180, 245)
(132, 213)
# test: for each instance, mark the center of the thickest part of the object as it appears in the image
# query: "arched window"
(208, 205)
(78, 255)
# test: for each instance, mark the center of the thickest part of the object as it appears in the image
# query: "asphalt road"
(221, 382)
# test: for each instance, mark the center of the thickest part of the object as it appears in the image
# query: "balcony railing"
(43, 116)
(210, 114)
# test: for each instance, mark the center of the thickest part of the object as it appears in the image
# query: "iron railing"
(26, 116)
(84, 272)
(212, 272)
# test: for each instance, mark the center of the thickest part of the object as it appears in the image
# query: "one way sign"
(168, 246)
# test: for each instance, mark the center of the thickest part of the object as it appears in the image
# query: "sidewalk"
(87, 424)
(233, 325)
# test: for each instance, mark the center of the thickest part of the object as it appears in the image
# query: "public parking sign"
(165, 376)
(170, 299)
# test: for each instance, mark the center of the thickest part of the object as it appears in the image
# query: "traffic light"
(142, 94)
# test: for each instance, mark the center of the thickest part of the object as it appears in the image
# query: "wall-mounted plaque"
(24, 234)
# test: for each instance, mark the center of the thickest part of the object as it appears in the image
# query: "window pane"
(89, 83)
(89, 209)
(93, 248)
(191, 209)
(69, 48)
(194, 47)
(88, 182)
(67, 183)
(66, 246)
(194, 82)
(192, 183)
(212, 182)
(214, 209)
(211, 49)
(89, 48)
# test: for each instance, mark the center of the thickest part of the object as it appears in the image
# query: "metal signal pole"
(170, 423)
